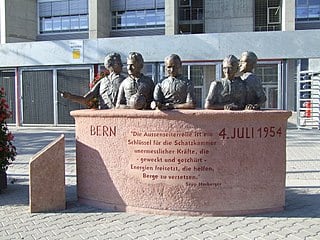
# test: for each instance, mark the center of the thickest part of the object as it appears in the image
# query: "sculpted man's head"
(134, 64)
(173, 65)
(113, 63)
(230, 66)
(248, 61)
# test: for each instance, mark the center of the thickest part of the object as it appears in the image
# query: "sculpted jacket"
(106, 90)
(130, 86)
(174, 90)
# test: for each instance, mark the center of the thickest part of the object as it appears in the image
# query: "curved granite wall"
(186, 162)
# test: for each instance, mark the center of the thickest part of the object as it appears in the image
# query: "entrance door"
(7, 78)
(37, 97)
(75, 81)
(270, 77)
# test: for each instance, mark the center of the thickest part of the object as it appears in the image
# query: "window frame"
(270, 11)
(303, 12)
(47, 18)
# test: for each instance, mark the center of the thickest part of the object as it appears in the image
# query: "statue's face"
(117, 67)
(229, 70)
(133, 68)
(173, 67)
(244, 65)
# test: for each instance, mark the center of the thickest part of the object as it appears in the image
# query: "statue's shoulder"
(238, 80)
(249, 76)
(121, 77)
(147, 80)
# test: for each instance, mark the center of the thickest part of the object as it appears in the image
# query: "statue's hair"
(231, 59)
(251, 56)
(111, 59)
(136, 57)
(174, 57)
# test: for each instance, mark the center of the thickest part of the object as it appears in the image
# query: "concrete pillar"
(171, 17)
(19, 22)
(2, 21)
(314, 64)
(99, 19)
(291, 83)
(228, 16)
(288, 15)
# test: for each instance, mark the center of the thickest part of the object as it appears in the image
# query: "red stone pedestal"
(187, 162)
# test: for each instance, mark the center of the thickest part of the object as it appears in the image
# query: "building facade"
(49, 46)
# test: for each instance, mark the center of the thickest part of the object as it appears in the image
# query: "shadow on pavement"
(298, 202)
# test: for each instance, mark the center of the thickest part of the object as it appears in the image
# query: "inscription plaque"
(166, 156)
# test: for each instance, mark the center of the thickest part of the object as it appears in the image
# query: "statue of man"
(106, 90)
(136, 91)
(175, 91)
(255, 93)
(229, 93)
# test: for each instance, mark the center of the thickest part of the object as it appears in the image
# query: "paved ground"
(300, 220)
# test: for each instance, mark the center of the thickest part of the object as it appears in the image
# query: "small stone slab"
(47, 178)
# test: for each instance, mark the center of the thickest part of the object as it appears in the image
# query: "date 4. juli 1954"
(250, 132)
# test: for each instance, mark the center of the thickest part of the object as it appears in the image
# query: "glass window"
(307, 10)
(63, 15)
(197, 28)
(199, 96)
(272, 98)
(273, 15)
(131, 19)
(314, 11)
(196, 74)
(314, 2)
(300, 3)
(191, 16)
(160, 17)
(185, 3)
(83, 22)
(267, 15)
(160, 4)
(60, 8)
(184, 14)
(7, 81)
(74, 22)
(184, 29)
(268, 73)
(56, 23)
(47, 24)
(78, 6)
(141, 4)
(302, 13)
(65, 23)
(140, 18)
(150, 18)
(118, 5)
(45, 9)
(137, 14)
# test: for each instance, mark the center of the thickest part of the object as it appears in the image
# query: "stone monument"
(182, 162)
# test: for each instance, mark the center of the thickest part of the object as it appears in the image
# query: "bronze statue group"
(239, 89)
